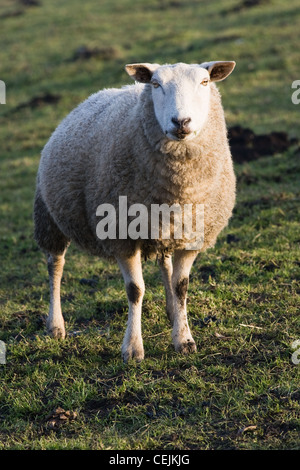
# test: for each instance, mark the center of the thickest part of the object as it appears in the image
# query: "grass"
(241, 389)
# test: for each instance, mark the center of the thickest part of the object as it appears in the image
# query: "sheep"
(160, 141)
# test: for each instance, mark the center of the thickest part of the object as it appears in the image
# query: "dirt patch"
(11, 14)
(247, 146)
(20, 11)
(102, 53)
(89, 282)
(102, 406)
(207, 271)
(231, 238)
(279, 429)
(39, 100)
(165, 4)
(207, 321)
(168, 4)
(30, 3)
(245, 5)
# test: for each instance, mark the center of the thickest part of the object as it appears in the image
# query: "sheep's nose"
(181, 129)
(181, 123)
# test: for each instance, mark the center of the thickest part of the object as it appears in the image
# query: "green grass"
(247, 286)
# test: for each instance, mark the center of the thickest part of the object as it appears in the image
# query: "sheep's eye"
(205, 82)
(155, 84)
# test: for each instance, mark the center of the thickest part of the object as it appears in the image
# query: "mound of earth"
(247, 146)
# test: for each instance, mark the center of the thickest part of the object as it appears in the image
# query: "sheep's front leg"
(55, 322)
(131, 268)
(182, 337)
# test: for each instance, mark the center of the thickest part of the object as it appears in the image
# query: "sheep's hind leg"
(55, 322)
(131, 268)
(52, 241)
(166, 268)
(182, 337)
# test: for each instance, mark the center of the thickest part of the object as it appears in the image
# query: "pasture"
(241, 389)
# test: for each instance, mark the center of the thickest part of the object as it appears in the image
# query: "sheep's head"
(181, 93)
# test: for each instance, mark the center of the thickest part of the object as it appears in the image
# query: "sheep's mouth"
(182, 135)
(179, 135)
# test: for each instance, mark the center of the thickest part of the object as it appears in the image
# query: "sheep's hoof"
(187, 347)
(137, 354)
(56, 332)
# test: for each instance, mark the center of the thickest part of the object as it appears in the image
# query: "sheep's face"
(181, 94)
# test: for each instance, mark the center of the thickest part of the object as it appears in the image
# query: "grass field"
(241, 389)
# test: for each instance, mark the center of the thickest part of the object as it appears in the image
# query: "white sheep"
(160, 141)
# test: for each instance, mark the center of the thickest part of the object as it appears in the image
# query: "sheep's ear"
(141, 72)
(218, 70)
